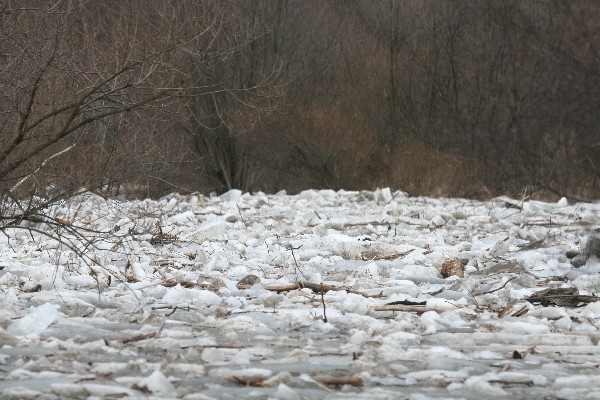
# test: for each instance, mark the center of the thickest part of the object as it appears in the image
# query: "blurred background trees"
(461, 98)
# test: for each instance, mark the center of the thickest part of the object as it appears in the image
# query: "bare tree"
(90, 92)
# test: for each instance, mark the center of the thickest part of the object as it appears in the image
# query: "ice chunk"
(232, 195)
(479, 385)
(404, 338)
(355, 303)
(327, 194)
(384, 195)
(370, 271)
(438, 220)
(565, 323)
(575, 381)
(284, 392)
(90, 390)
(592, 310)
(551, 313)
(524, 328)
(21, 393)
(36, 321)
(183, 218)
(179, 295)
(208, 231)
(158, 384)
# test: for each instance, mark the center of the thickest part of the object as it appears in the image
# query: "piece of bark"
(247, 282)
(565, 297)
(453, 267)
(339, 380)
(406, 303)
(248, 380)
(141, 336)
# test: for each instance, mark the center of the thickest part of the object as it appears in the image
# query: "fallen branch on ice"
(339, 380)
(315, 287)
(405, 308)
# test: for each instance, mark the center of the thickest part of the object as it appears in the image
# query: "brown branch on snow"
(315, 287)
(339, 380)
(261, 380)
(495, 290)
(248, 380)
(406, 308)
(323, 302)
(173, 309)
(141, 336)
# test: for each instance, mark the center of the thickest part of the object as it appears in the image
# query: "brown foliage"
(464, 98)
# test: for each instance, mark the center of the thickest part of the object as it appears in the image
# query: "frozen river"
(276, 296)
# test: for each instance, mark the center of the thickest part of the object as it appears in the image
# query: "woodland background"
(445, 98)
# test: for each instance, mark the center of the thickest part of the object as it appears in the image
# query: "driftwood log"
(564, 297)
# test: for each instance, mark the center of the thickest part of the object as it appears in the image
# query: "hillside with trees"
(460, 98)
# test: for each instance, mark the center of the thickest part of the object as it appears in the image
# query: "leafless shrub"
(89, 95)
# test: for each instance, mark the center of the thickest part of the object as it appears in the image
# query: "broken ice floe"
(323, 294)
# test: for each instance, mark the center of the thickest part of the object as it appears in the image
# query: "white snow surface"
(143, 313)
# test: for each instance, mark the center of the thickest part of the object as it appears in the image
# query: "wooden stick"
(282, 287)
(339, 380)
(315, 287)
(248, 380)
(323, 301)
(141, 336)
(399, 307)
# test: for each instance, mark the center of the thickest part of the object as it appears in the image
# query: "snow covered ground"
(161, 311)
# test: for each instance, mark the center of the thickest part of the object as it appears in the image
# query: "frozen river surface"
(288, 297)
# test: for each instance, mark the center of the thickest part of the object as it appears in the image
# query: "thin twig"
(241, 216)
(298, 270)
(495, 290)
(407, 308)
(323, 301)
